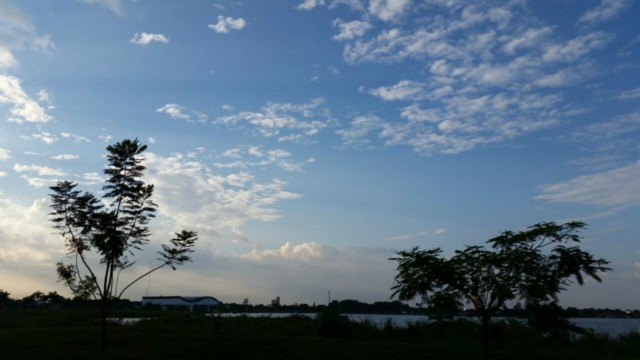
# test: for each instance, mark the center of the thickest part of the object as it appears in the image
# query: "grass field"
(74, 334)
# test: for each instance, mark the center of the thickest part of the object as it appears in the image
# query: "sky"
(307, 141)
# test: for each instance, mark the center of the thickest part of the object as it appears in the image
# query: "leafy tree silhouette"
(532, 266)
(111, 228)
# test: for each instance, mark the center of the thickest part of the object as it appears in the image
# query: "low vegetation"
(50, 333)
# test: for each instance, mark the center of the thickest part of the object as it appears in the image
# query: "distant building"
(203, 303)
(276, 301)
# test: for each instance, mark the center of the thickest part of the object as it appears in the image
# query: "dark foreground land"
(74, 334)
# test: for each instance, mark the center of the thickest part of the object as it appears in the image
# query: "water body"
(614, 327)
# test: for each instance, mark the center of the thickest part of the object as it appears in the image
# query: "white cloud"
(24, 108)
(151, 140)
(199, 199)
(145, 39)
(65, 157)
(310, 4)
(607, 10)
(76, 138)
(350, 30)
(43, 136)
(226, 24)
(39, 170)
(403, 90)
(388, 10)
(284, 121)
(5, 154)
(178, 112)
(618, 188)
(3, 174)
(303, 252)
(7, 60)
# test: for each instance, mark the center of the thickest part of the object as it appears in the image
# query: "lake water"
(613, 327)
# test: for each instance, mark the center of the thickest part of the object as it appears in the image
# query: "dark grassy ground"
(74, 334)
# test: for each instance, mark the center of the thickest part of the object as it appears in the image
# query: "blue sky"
(307, 141)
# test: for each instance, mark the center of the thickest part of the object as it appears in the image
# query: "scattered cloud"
(43, 136)
(403, 90)
(145, 39)
(5, 154)
(39, 170)
(197, 198)
(3, 174)
(284, 121)
(76, 138)
(388, 10)
(303, 252)
(226, 24)
(617, 188)
(255, 156)
(24, 108)
(179, 112)
(65, 157)
(310, 4)
(350, 30)
(607, 10)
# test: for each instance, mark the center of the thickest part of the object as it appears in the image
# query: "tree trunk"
(485, 335)
(103, 327)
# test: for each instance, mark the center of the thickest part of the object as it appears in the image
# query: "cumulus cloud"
(284, 121)
(617, 188)
(607, 10)
(23, 107)
(226, 24)
(145, 39)
(28, 246)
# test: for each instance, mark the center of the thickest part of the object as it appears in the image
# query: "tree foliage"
(532, 266)
(108, 230)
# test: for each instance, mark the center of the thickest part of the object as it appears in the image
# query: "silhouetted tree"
(533, 265)
(111, 228)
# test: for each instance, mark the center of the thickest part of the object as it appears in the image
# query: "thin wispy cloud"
(607, 10)
(617, 188)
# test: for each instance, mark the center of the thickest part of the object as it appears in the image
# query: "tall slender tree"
(104, 232)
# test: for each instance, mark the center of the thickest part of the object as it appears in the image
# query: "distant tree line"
(53, 300)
